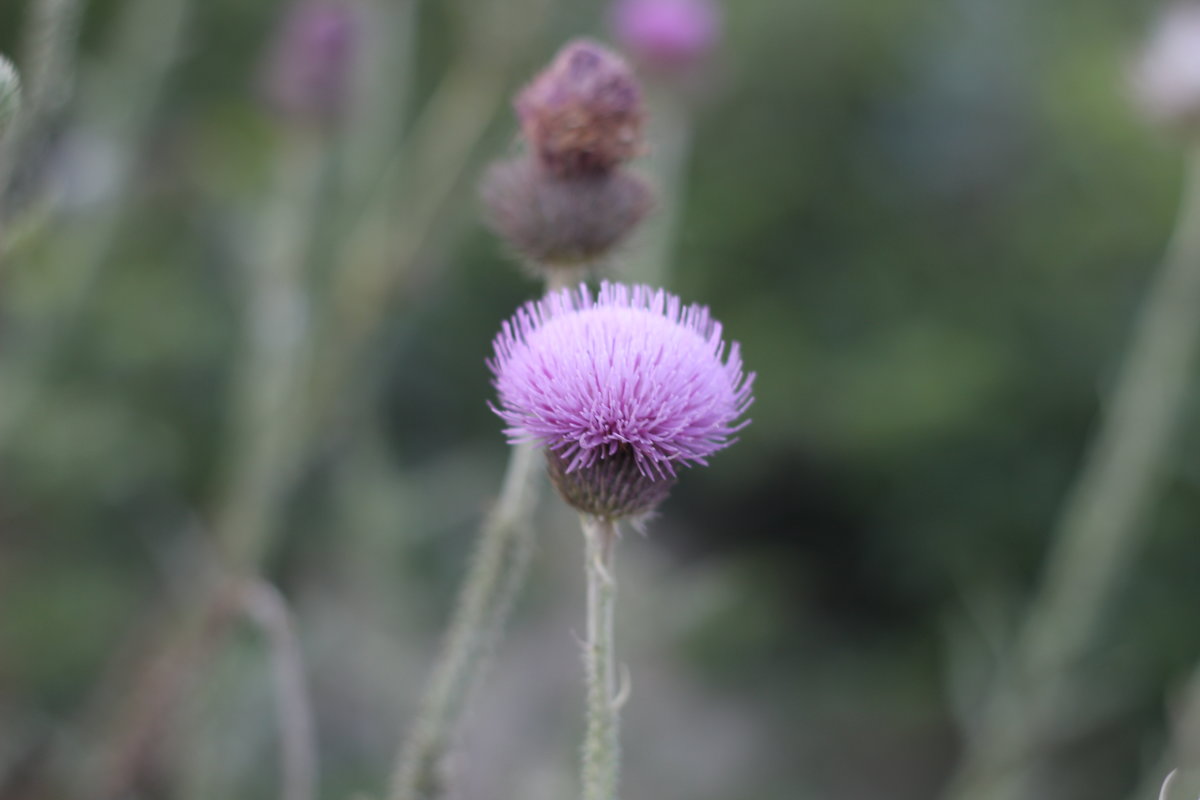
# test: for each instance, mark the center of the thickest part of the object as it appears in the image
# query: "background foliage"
(927, 221)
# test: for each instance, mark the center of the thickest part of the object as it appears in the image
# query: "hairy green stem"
(1102, 524)
(497, 573)
(601, 746)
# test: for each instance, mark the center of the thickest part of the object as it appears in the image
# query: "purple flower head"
(631, 375)
(308, 73)
(667, 34)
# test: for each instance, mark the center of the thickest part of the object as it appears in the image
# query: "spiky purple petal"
(629, 368)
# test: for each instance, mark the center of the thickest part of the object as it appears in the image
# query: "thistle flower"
(584, 113)
(667, 35)
(307, 76)
(1166, 78)
(562, 222)
(622, 389)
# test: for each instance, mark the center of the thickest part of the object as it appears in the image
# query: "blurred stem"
(383, 74)
(1101, 526)
(268, 609)
(47, 64)
(266, 407)
(430, 167)
(484, 602)
(1181, 761)
(123, 94)
(670, 154)
(601, 747)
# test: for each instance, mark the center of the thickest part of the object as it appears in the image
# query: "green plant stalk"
(601, 746)
(430, 166)
(121, 97)
(47, 64)
(265, 407)
(267, 402)
(497, 572)
(1101, 526)
(670, 155)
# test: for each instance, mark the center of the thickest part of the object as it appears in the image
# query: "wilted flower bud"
(667, 35)
(1166, 79)
(10, 94)
(307, 76)
(584, 113)
(562, 221)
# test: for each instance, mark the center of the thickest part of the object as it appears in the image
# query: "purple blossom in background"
(1167, 77)
(308, 73)
(667, 34)
(631, 370)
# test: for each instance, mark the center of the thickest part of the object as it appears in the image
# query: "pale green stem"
(431, 166)
(268, 609)
(1102, 524)
(47, 57)
(265, 409)
(496, 575)
(1181, 759)
(121, 96)
(601, 745)
(670, 153)
(267, 402)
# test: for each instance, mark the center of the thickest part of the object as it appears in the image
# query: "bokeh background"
(928, 222)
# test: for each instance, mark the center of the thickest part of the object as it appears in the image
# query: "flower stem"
(496, 575)
(267, 608)
(671, 135)
(601, 747)
(47, 61)
(1100, 529)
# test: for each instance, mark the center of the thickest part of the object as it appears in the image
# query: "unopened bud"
(562, 222)
(584, 113)
(1166, 79)
(667, 35)
(307, 76)
(10, 94)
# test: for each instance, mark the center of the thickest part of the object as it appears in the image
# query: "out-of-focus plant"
(1035, 703)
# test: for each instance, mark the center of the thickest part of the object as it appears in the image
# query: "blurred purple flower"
(667, 34)
(1166, 79)
(308, 74)
(630, 372)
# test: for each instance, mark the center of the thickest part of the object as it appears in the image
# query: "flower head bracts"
(630, 370)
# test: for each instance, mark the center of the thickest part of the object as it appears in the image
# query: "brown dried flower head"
(584, 113)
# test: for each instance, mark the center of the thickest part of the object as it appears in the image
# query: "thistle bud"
(10, 94)
(584, 113)
(562, 221)
(667, 36)
(1166, 78)
(307, 76)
